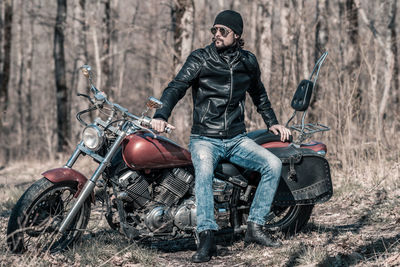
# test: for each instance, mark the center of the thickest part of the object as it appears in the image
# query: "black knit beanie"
(231, 19)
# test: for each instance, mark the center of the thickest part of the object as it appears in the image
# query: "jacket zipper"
(241, 108)
(230, 95)
(205, 113)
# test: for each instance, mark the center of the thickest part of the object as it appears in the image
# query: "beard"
(220, 40)
(223, 47)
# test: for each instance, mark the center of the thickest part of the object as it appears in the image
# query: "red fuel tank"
(142, 151)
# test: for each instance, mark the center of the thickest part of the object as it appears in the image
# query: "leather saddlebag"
(305, 177)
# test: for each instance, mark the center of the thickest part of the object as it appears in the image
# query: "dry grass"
(359, 226)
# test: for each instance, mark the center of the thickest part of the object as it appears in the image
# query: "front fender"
(59, 175)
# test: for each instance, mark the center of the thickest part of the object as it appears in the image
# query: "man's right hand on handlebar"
(159, 125)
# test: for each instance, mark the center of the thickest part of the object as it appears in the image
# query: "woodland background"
(136, 48)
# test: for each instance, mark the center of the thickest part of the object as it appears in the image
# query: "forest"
(137, 47)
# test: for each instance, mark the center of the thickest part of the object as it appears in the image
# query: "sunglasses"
(224, 31)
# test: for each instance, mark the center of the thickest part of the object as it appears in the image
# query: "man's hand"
(160, 125)
(285, 132)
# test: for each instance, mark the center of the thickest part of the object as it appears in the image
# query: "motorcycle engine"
(184, 215)
(158, 210)
(164, 212)
(173, 186)
(136, 189)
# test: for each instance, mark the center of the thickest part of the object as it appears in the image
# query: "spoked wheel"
(35, 219)
(288, 219)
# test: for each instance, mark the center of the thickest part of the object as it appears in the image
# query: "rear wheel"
(288, 219)
(35, 219)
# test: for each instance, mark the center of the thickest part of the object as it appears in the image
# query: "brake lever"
(86, 96)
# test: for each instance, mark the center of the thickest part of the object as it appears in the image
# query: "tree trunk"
(124, 55)
(5, 62)
(303, 43)
(287, 49)
(152, 75)
(378, 110)
(352, 55)
(182, 15)
(78, 32)
(114, 48)
(394, 48)
(63, 107)
(110, 39)
(78, 84)
(29, 76)
(262, 35)
(21, 64)
(264, 39)
(389, 70)
(5, 59)
(321, 40)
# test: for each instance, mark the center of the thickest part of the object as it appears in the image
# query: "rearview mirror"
(153, 102)
(87, 71)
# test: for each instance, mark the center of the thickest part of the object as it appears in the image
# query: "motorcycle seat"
(263, 136)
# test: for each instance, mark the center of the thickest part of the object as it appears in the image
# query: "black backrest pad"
(302, 97)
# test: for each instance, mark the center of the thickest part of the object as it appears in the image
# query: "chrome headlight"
(93, 137)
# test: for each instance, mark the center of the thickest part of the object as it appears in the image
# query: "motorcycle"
(146, 181)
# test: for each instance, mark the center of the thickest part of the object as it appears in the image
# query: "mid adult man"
(220, 75)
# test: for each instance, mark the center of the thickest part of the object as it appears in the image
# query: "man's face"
(222, 41)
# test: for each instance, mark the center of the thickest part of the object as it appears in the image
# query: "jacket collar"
(221, 55)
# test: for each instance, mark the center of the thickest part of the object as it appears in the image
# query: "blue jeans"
(240, 150)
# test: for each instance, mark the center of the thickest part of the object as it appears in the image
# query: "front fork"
(90, 184)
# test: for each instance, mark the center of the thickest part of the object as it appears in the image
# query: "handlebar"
(146, 122)
(101, 98)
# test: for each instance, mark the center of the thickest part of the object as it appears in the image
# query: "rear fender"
(60, 175)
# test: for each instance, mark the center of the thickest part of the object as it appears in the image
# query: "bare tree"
(264, 38)
(21, 78)
(79, 37)
(394, 47)
(63, 105)
(352, 54)
(110, 44)
(28, 73)
(5, 63)
(321, 40)
(182, 14)
(284, 17)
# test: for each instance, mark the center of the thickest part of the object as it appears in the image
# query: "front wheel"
(288, 219)
(35, 219)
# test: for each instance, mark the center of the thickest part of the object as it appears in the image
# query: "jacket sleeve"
(177, 88)
(259, 96)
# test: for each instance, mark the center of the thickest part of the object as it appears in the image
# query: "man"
(220, 75)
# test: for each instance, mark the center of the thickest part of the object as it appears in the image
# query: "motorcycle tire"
(39, 212)
(288, 219)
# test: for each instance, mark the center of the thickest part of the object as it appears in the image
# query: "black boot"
(206, 248)
(255, 234)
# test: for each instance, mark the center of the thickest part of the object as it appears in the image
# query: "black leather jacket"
(219, 90)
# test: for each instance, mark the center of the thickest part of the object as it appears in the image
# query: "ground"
(359, 226)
